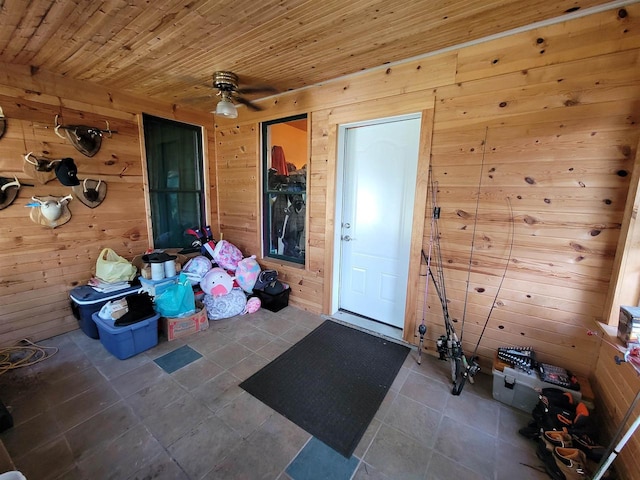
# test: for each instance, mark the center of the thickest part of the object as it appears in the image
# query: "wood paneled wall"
(550, 118)
(544, 125)
(615, 387)
(39, 265)
(551, 124)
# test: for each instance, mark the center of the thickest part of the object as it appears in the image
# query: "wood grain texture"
(170, 51)
(626, 263)
(561, 148)
(561, 145)
(419, 209)
(39, 265)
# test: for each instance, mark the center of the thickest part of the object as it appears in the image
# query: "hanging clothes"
(279, 209)
(278, 161)
(294, 227)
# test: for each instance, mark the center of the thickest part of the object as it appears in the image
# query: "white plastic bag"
(114, 309)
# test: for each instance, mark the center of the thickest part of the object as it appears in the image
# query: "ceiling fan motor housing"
(225, 81)
(227, 84)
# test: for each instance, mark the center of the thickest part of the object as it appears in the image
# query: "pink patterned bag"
(227, 255)
(247, 273)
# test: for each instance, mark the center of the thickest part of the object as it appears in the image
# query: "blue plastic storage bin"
(85, 301)
(125, 342)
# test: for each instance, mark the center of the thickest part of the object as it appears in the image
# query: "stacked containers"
(85, 301)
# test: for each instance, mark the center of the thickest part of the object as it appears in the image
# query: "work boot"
(550, 465)
(556, 438)
(572, 463)
(592, 450)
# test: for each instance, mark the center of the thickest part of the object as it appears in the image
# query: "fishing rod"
(473, 234)
(473, 368)
(449, 346)
(422, 329)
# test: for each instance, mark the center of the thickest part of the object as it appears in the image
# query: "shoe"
(556, 438)
(532, 432)
(557, 397)
(555, 418)
(140, 307)
(592, 450)
(572, 463)
(550, 465)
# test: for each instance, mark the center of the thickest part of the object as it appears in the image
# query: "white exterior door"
(378, 186)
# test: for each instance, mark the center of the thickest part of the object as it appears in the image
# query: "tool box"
(520, 388)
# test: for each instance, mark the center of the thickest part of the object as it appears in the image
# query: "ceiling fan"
(229, 92)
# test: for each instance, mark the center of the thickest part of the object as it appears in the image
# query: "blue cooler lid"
(87, 295)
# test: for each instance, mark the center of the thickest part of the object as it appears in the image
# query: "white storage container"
(520, 389)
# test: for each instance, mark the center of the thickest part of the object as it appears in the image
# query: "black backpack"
(265, 277)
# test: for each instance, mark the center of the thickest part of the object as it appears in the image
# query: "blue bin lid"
(87, 295)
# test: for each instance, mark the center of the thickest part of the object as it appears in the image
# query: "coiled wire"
(24, 355)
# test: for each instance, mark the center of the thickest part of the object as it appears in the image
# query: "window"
(174, 168)
(284, 165)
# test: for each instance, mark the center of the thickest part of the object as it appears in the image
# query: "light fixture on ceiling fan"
(228, 91)
(225, 107)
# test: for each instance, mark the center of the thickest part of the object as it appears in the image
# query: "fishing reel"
(422, 329)
(473, 368)
(456, 349)
(442, 347)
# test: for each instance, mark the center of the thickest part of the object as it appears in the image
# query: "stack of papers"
(106, 287)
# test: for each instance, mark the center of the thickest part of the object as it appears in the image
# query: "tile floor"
(84, 414)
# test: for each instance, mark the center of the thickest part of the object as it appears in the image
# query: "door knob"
(346, 225)
(347, 238)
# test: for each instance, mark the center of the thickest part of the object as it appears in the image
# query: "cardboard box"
(180, 261)
(178, 327)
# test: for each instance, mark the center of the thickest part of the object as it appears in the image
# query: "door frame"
(340, 185)
(345, 116)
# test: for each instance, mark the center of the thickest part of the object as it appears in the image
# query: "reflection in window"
(285, 152)
(176, 192)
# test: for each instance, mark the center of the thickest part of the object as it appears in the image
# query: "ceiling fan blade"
(257, 89)
(200, 99)
(249, 104)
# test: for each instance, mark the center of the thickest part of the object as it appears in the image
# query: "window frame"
(265, 193)
(199, 181)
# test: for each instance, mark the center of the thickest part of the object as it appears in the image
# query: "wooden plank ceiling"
(168, 49)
